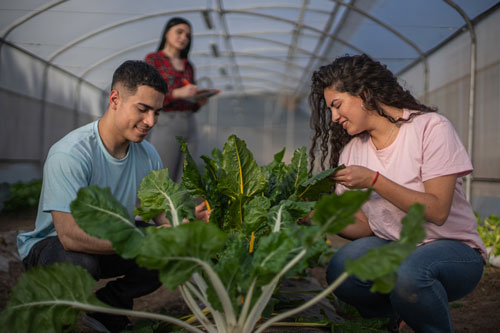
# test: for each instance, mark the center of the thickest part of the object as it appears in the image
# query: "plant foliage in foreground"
(231, 265)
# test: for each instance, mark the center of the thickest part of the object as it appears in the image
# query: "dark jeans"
(135, 281)
(433, 275)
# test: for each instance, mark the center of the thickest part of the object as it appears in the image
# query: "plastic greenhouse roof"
(242, 47)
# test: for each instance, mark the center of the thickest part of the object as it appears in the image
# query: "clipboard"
(202, 93)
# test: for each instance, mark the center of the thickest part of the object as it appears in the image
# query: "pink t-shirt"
(426, 147)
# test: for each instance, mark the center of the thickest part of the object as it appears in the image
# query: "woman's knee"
(353, 250)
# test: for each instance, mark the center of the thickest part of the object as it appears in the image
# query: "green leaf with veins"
(314, 187)
(169, 250)
(294, 175)
(380, 264)
(41, 301)
(158, 193)
(100, 215)
(191, 178)
(334, 212)
(242, 176)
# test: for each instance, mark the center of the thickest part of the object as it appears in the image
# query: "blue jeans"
(433, 275)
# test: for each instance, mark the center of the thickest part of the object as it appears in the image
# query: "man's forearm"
(73, 238)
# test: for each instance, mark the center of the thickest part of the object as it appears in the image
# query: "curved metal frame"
(472, 93)
(292, 48)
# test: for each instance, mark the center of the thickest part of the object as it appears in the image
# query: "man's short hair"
(134, 73)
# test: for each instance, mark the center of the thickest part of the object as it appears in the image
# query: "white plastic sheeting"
(57, 58)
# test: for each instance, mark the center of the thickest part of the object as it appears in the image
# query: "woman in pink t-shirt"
(407, 153)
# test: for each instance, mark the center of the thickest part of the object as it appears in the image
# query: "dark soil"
(477, 312)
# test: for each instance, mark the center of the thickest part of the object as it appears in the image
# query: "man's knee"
(51, 251)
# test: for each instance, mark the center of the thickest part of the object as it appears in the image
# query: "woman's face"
(347, 110)
(178, 36)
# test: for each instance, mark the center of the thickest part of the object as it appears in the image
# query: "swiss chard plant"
(489, 230)
(227, 269)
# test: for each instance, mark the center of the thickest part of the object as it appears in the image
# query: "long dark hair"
(357, 75)
(173, 22)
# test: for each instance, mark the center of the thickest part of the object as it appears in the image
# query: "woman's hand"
(202, 101)
(186, 91)
(354, 177)
(202, 213)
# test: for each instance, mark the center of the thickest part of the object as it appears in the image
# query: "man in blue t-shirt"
(110, 152)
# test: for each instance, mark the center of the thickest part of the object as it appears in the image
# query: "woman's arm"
(359, 229)
(437, 196)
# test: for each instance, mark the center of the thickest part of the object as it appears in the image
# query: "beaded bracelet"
(374, 179)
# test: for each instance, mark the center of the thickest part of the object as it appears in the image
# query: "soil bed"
(477, 312)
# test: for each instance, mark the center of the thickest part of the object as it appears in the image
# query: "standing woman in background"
(177, 118)
(407, 154)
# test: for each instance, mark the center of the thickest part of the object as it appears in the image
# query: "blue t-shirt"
(78, 160)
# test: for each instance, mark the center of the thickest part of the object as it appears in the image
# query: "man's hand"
(202, 213)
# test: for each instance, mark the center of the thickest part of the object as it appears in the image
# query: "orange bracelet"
(374, 179)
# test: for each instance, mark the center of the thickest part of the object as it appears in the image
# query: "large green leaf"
(159, 193)
(234, 214)
(296, 174)
(272, 253)
(255, 214)
(334, 212)
(314, 249)
(319, 184)
(242, 176)
(233, 266)
(191, 178)
(380, 264)
(287, 213)
(100, 215)
(164, 246)
(40, 300)
(273, 172)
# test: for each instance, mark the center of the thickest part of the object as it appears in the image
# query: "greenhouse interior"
(58, 58)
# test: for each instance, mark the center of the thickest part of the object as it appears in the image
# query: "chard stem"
(304, 306)
(188, 298)
(218, 286)
(246, 305)
(202, 286)
(277, 224)
(96, 308)
(267, 293)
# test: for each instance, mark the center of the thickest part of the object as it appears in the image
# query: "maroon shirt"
(174, 80)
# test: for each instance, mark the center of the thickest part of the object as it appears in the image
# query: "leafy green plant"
(231, 265)
(23, 196)
(489, 230)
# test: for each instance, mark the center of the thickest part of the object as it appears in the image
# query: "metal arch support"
(319, 45)
(309, 53)
(472, 92)
(254, 78)
(290, 119)
(227, 40)
(46, 64)
(360, 11)
(30, 16)
(151, 42)
(115, 25)
(260, 69)
(117, 54)
(251, 55)
(305, 26)
(400, 36)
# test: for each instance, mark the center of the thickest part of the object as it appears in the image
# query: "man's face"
(136, 114)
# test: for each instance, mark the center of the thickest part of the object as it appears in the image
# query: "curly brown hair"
(357, 75)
